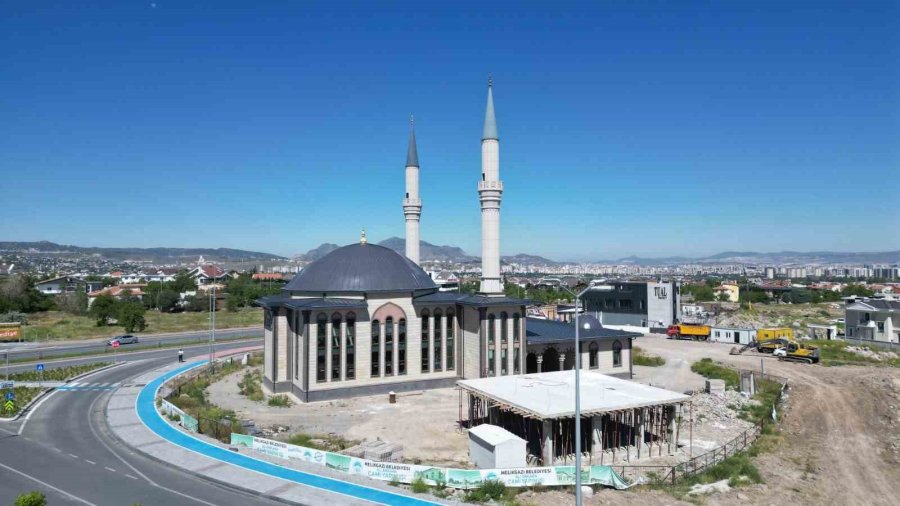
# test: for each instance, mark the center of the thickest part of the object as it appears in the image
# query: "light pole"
(212, 324)
(577, 395)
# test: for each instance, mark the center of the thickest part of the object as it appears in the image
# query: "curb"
(101, 340)
(47, 391)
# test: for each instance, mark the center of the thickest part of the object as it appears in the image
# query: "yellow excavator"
(780, 342)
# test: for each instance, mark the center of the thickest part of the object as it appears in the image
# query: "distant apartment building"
(873, 319)
(731, 290)
(770, 273)
(446, 280)
(655, 305)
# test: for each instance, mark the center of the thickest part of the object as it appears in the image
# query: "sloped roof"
(538, 330)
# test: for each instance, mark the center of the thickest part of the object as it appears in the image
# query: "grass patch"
(280, 401)
(24, 395)
(712, 370)
(738, 469)
(835, 353)
(640, 357)
(251, 386)
(58, 374)
(57, 325)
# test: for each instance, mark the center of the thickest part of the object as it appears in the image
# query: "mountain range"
(427, 252)
(772, 258)
(162, 255)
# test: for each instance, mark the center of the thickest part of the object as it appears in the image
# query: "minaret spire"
(412, 205)
(490, 190)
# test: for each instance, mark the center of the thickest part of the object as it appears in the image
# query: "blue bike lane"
(148, 414)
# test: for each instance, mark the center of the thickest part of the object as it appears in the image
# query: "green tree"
(33, 498)
(183, 283)
(73, 303)
(857, 290)
(131, 316)
(722, 296)
(703, 293)
(104, 308)
(168, 300)
(196, 304)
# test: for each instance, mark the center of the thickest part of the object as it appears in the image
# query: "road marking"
(57, 449)
(91, 462)
(31, 411)
(74, 383)
(73, 455)
(51, 487)
(132, 477)
(110, 469)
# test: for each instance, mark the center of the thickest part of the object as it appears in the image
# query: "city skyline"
(617, 139)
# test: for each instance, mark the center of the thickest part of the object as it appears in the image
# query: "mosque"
(366, 320)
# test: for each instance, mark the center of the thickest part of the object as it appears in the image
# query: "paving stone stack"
(715, 387)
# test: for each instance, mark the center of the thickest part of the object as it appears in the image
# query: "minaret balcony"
(490, 185)
(412, 202)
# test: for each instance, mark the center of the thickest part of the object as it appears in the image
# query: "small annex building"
(732, 335)
(617, 415)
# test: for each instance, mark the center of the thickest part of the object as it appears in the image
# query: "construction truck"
(688, 331)
(781, 343)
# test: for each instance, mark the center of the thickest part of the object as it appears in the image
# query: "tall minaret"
(412, 205)
(490, 188)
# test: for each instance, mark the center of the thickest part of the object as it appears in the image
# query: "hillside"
(152, 254)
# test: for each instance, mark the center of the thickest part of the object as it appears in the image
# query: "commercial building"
(654, 305)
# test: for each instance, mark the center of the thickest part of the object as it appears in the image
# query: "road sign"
(39, 367)
(7, 384)
(9, 405)
(10, 396)
(115, 344)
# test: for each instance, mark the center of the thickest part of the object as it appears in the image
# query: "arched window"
(451, 328)
(492, 345)
(389, 346)
(401, 346)
(350, 346)
(426, 340)
(336, 347)
(321, 342)
(517, 344)
(617, 354)
(593, 359)
(504, 327)
(438, 316)
(376, 349)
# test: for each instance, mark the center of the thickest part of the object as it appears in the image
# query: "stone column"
(396, 350)
(328, 351)
(540, 361)
(547, 437)
(343, 338)
(670, 432)
(562, 360)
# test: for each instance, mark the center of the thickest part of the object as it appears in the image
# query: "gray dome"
(361, 268)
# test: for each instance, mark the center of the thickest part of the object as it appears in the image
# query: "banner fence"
(440, 476)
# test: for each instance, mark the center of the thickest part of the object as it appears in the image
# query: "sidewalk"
(131, 409)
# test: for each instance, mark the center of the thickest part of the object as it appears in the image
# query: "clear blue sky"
(649, 128)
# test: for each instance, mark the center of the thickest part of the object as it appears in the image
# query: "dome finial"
(490, 81)
(362, 237)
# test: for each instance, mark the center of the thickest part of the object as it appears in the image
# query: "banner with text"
(448, 477)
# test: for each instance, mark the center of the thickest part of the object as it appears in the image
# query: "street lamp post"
(577, 396)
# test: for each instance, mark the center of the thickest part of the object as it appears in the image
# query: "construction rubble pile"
(872, 354)
(721, 410)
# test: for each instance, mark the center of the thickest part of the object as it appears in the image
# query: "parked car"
(126, 339)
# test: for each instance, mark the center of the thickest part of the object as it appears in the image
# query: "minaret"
(490, 188)
(412, 205)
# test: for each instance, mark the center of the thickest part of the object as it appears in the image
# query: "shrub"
(490, 490)
(251, 386)
(33, 498)
(419, 486)
(709, 369)
(280, 401)
(640, 358)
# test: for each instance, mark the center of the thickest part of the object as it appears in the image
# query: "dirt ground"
(841, 434)
(424, 423)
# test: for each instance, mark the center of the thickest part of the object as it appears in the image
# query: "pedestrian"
(180, 355)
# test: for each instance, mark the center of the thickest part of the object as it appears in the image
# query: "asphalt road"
(148, 354)
(42, 351)
(66, 451)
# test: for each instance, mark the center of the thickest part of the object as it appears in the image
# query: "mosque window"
(504, 327)
(438, 316)
(376, 349)
(504, 353)
(451, 349)
(425, 340)
(350, 346)
(389, 346)
(517, 342)
(593, 359)
(617, 354)
(321, 322)
(401, 347)
(336, 347)
(492, 344)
